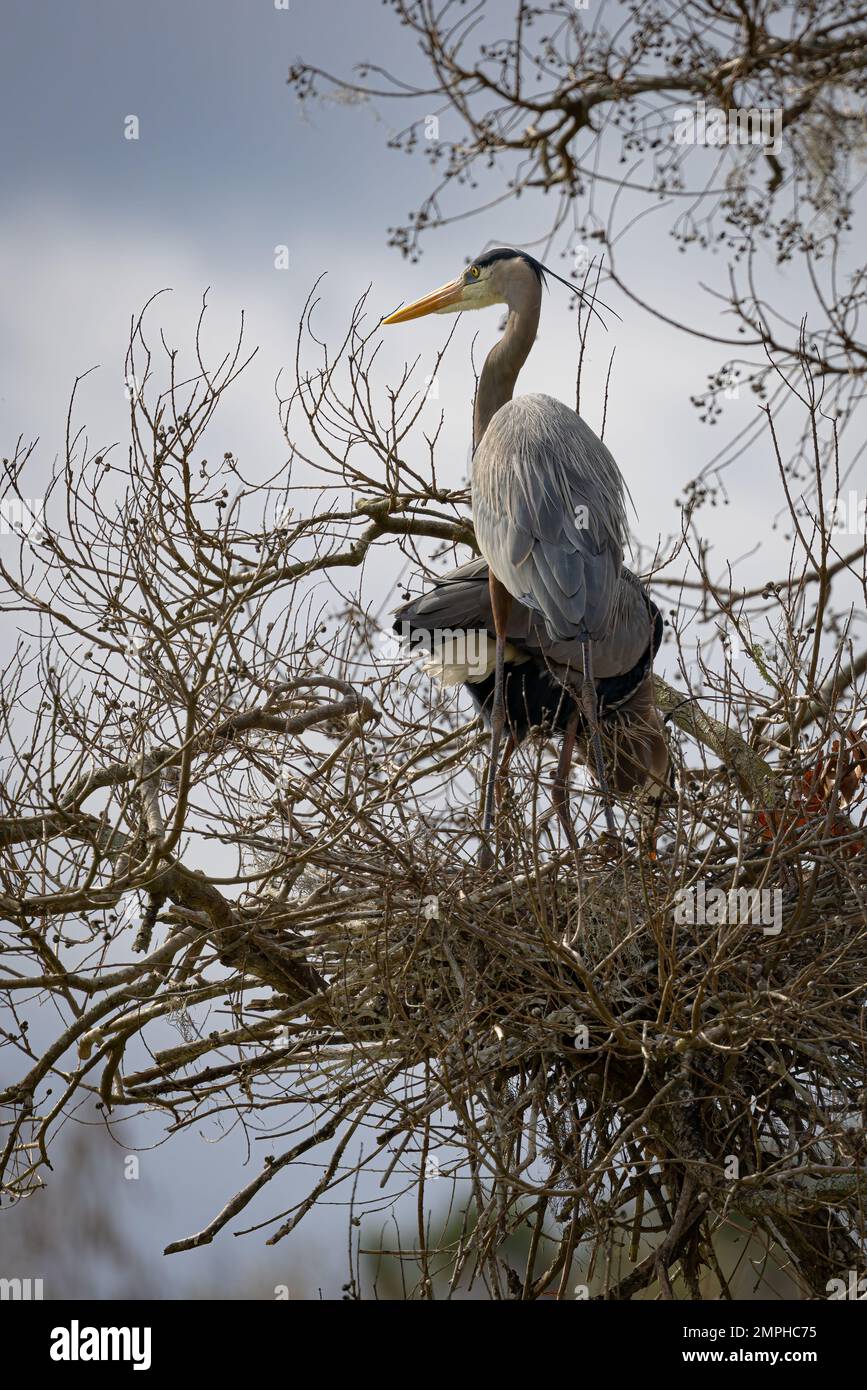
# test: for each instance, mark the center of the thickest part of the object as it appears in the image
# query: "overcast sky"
(226, 168)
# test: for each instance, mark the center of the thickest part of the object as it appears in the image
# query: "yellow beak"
(442, 298)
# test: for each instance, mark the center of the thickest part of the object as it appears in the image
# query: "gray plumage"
(543, 678)
(550, 515)
(461, 600)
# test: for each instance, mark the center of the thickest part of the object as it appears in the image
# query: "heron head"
(498, 277)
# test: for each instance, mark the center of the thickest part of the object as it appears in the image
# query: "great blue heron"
(453, 623)
(548, 499)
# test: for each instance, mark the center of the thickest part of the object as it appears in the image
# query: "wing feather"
(461, 600)
(550, 514)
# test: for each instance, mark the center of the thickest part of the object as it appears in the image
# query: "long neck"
(504, 362)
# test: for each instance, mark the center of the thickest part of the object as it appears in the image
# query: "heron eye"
(474, 272)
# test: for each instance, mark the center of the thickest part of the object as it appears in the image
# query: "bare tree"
(740, 123)
(231, 805)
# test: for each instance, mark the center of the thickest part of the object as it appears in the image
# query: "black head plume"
(507, 253)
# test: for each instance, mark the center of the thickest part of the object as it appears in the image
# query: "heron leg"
(591, 714)
(560, 790)
(501, 603)
(501, 786)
